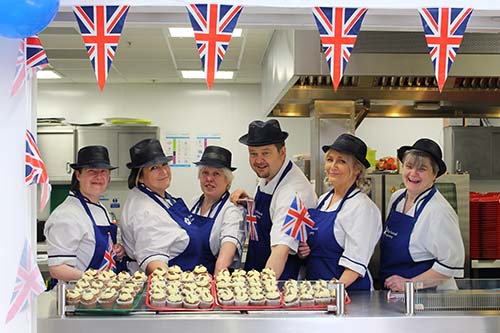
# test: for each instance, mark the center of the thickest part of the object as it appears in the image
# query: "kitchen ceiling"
(148, 54)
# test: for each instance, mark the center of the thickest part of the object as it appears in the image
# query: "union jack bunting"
(251, 221)
(30, 57)
(109, 262)
(101, 27)
(444, 29)
(297, 221)
(338, 29)
(34, 169)
(29, 283)
(213, 26)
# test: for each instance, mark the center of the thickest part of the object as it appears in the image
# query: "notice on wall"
(179, 147)
(202, 141)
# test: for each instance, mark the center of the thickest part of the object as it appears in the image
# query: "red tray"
(169, 309)
(248, 307)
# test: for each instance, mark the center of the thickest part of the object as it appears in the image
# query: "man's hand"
(304, 250)
(238, 196)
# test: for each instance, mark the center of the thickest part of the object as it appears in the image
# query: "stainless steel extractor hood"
(390, 74)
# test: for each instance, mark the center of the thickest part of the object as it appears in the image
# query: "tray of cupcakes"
(104, 292)
(309, 295)
(250, 290)
(172, 289)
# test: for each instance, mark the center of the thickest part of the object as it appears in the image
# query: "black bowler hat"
(263, 133)
(147, 152)
(95, 157)
(348, 143)
(428, 146)
(216, 157)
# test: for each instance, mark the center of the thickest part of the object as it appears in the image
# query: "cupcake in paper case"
(255, 290)
(320, 284)
(291, 298)
(200, 269)
(290, 283)
(83, 284)
(254, 282)
(239, 273)
(159, 284)
(257, 299)
(306, 299)
(91, 272)
(139, 276)
(159, 271)
(125, 300)
(174, 301)
(173, 289)
(267, 273)
(173, 276)
(155, 288)
(107, 298)
(223, 275)
(223, 284)
(253, 274)
(206, 298)
(158, 298)
(174, 270)
(202, 280)
(191, 301)
(187, 277)
(97, 284)
(123, 276)
(273, 298)
(129, 290)
(241, 298)
(73, 297)
(88, 300)
(226, 297)
(322, 296)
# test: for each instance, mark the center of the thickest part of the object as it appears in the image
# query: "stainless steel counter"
(369, 312)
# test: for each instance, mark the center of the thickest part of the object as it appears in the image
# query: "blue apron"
(260, 250)
(101, 233)
(198, 229)
(395, 258)
(323, 262)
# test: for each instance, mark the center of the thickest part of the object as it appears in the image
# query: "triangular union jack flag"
(251, 221)
(34, 169)
(29, 283)
(338, 29)
(30, 57)
(213, 26)
(101, 28)
(108, 262)
(444, 29)
(297, 221)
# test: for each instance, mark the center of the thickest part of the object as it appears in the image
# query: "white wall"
(15, 205)
(188, 108)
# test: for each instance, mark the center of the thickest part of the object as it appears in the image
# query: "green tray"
(114, 311)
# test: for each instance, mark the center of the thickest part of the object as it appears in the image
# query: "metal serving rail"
(368, 311)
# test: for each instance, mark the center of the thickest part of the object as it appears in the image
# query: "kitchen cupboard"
(57, 148)
(473, 149)
(118, 140)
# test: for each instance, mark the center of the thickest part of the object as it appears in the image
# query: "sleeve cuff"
(457, 272)
(353, 265)
(292, 244)
(235, 241)
(69, 260)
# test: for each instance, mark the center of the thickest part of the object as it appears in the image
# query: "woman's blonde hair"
(361, 182)
(228, 174)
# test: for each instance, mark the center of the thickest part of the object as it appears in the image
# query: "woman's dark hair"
(133, 177)
(75, 183)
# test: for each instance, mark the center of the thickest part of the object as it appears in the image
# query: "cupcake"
(91, 272)
(173, 276)
(267, 272)
(174, 301)
(191, 301)
(291, 299)
(139, 276)
(158, 298)
(123, 276)
(202, 280)
(128, 290)
(174, 270)
(223, 284)
(291, 283)
(160, 284)
(306, 299)
(73, 297)
(187, 277)
(239, 273)
(226, 297)
(321, 296)
(97, 284)
(241, 298)
(125, 300)
(83, 284)
(206, 299)
(223, 275)
(88, 300)
(115, 284)
(159, 271)
(273, 298)
(253, 274)
(200, 269)
(156, 289)
(257, 299)
(107, 298)
(254, 283)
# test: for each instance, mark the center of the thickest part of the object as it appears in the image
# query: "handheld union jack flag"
(34, 169)
(444, 29)
(108, 262)
(297, 222)
(338, 29)
(213, 26)
(251, 221)
(30, 57)
(101, 27)
(29, 283)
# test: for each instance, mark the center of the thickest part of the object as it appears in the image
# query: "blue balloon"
(25, 18)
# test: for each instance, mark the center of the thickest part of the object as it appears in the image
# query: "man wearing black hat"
(80, 231)
(421, 241)
(280, 181)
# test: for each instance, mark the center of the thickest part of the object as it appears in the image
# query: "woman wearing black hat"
(223, 221)
(347, 223)
(80, 232)
(421, 240)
